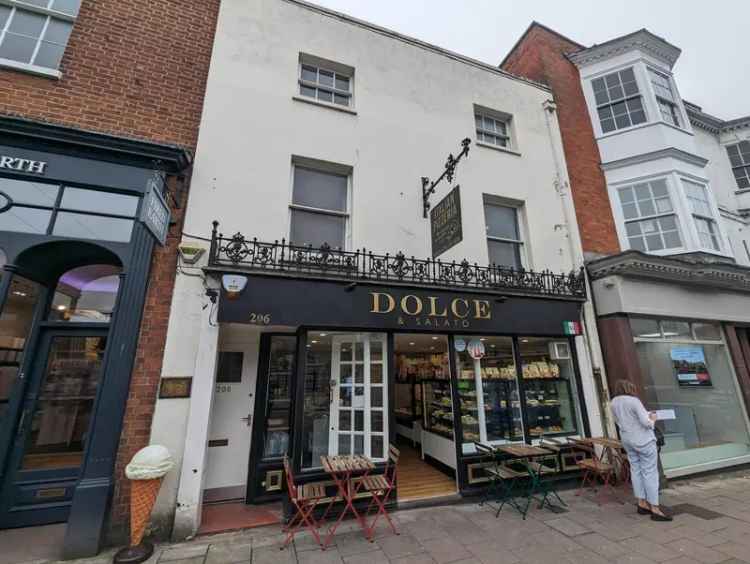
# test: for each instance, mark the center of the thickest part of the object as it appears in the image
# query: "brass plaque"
(50, 492)
(274, 480)
(175, 388)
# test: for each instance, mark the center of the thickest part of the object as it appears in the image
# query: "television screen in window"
(690, 366)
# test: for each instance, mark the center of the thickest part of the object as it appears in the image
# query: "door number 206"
(260, 318)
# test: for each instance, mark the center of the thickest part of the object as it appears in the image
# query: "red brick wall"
(137, 69)
(540, 56)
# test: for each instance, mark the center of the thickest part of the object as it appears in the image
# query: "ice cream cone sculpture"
(145, 471)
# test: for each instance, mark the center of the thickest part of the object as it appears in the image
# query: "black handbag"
(660, 442)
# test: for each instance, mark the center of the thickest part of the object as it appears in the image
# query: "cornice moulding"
(672, 152)
(642, 40)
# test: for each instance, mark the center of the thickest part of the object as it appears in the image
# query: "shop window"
(618, 100)
(319, 208)
(674, 329)
(488, 391)
(345, 396)
(75, 212)
(504, 242)
(325, 81)
(86, 294)
(15, 324)
(739, 158)
(696, 381)
(549, 384)
(277, 401)
(650, 220)
(35, 39)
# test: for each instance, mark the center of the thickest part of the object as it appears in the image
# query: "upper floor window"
(739, 156)
(319, 208)
(665, 98)
(50, 209)
(504, 242)
(325, 81)
(708, 231)
(34, 33)
(618, 100)
(493, 130)
(650, 220)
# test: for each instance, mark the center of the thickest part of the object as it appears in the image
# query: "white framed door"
(359, 395)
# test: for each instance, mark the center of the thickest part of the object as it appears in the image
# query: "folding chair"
(595, 470)
(305, 498)
(380, 487)
(502, 480)
(622, 466)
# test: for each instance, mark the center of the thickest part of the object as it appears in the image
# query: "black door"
(47, 452)
(272, 414)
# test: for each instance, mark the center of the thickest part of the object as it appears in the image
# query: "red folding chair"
(305, 498)
(380, 487)
(594, 471)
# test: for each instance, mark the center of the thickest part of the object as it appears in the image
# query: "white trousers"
(644, 471)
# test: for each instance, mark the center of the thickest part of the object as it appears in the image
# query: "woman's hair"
(625, 388)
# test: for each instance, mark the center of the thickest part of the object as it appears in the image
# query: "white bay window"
(650, 219)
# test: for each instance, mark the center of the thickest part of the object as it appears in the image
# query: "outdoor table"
(341, 469)
(611, 449)
(537, 486)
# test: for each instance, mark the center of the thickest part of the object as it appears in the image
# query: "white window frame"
(622, 221)
(745, 164)
(702, 217)
(596, 106)
(31, 67)
(517, 207)
(337, 69)
(325, 168)
(672, 102)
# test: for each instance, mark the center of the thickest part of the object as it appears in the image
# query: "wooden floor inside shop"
(418, 479)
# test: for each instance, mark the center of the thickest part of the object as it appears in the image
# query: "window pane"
(17, 48)
(86, 293)
(504, 254)
(659, 187)
(501, 221)
(67, 6)
(318, 189)
(58, 31)
(4, 13)
(24, 192)
(103, 202)
(27, 23)
(307, 91)
(707, 331)
(325, 77)
(676, 329)
(325, 96)
(342, 82)
(341, 100)
(84, 226)
(637, 243)
(49, 55)
(608, 125)
(314, 229)
(648, 328)
(25, 220)
(309, 73)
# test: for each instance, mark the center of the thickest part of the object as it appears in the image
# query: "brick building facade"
(540, 54)
(132, 74)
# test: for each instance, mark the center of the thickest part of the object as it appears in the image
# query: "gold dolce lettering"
(433, 308)
(376, 302)
(482, 309)
(454, 308)
(405, 305)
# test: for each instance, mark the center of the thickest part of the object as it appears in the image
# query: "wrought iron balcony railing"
(283, 257)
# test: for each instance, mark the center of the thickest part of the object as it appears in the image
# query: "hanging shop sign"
(18, 164)
(690, 367)
(279, 300)
(155, 212)
(445, 223)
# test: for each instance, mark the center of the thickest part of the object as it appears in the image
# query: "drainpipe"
(591, 340)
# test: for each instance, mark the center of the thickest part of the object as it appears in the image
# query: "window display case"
(438, 407)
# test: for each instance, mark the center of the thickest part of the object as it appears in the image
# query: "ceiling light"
(412, 343)
(22, 294)
(432, 348)
(524, 340)
(493, 346)
(434, 338)
(314, 342)
(482, 339)
(62, 308)
(324, 334)
(308, 346)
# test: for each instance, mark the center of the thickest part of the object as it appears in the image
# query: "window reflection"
(278, 402)
(86, 294)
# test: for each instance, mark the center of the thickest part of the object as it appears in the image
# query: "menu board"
(689, 363)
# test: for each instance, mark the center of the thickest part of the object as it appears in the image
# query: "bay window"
(708, 231)
(618, 100)
(650, 219)
(665, 98)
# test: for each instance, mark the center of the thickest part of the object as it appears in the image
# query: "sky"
(713, 35)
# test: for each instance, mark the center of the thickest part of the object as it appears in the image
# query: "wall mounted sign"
(23, 165)
(445, 223)
(154, 211)
(293, 302)
(170, 388)
(690, 367)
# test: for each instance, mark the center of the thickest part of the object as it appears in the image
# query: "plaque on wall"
(175, 388)
(445, 223)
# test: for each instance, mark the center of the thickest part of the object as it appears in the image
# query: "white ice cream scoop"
(149, 463)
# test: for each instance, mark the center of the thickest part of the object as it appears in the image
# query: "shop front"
(80, 214)
(350, 359)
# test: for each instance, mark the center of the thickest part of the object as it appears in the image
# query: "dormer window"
(665, 98)
(618, 100)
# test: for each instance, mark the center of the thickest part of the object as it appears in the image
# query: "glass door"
(55, 427)
(358, 394)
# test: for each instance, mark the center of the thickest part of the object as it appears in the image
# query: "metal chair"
(502, 480)
(380, 487)
(305, 498)
(595, 470)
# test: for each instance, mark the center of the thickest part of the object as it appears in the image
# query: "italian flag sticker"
(572, 327)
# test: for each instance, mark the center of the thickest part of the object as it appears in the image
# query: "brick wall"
(137, 69)
(540, 56)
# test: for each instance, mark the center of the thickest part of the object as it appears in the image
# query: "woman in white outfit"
(637, 434)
